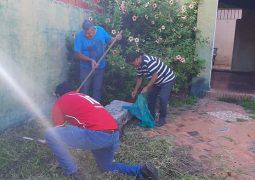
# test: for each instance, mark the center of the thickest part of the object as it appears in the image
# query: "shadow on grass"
(26, 159)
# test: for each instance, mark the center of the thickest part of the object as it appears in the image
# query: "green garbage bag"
(140, 110)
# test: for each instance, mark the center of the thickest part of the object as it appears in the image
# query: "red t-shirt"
(83, 111)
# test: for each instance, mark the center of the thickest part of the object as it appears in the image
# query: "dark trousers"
(95, 81)
(164, 92)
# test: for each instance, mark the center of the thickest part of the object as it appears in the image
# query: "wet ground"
(221, 136)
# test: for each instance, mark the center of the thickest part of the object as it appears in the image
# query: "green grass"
(24, 159)
(178, 101)
(247, 103)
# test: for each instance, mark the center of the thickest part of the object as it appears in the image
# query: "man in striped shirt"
(161, 80)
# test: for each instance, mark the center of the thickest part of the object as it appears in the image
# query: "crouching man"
(81, 122)
(161, 81)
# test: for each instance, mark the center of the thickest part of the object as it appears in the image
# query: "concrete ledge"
(122, 116)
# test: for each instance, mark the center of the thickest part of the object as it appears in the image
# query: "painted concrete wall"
(32, 53)
(207, 14)
(224, 42)
(244, 48)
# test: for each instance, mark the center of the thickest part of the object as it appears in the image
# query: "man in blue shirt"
(89, 46)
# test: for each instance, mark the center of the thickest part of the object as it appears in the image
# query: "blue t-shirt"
(93, 48)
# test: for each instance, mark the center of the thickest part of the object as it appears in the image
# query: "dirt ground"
(221, 136)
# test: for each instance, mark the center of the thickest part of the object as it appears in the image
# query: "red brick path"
(226, 149)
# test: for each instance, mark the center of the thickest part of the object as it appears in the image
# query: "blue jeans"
(96, 79)
(103, 146)
(164, 92)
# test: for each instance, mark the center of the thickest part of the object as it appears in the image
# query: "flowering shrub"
(162, 28)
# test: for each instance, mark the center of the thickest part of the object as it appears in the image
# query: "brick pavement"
(225, 148)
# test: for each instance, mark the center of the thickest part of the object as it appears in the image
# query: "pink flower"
(171, 2)
(108, 20)
(184, 17)
(178, 57)
(113, 31)
(183, 9)
(114, 52)
(130, 38)
(134, 18)
(182, 60)
(191, 6)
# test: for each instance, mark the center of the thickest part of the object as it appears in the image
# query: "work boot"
(160, 123)
(149, 172)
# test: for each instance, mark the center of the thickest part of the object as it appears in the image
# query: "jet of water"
(16, 88)
(20, 93)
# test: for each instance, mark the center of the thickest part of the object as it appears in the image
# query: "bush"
(162, 28)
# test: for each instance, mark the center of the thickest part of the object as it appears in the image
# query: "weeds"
(247, 103)
(178, 101)
(24, 159)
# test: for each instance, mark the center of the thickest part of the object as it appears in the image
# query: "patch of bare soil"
(221, 136)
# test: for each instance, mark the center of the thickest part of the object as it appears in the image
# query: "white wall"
(224, 42)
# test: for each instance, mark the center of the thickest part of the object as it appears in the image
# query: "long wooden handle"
(100, 59)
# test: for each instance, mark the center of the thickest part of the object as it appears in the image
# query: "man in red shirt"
(81, 122)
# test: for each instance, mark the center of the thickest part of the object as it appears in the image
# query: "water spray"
(20, 93)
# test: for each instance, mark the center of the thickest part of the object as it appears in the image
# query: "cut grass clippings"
(26, 159)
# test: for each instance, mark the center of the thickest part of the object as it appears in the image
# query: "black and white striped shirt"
(151, 65)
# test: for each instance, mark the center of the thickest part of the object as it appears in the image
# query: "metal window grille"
(229, 14)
